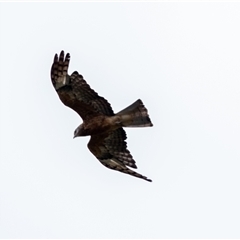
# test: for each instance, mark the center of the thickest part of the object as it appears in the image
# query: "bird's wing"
(74, 91)
(111, 150)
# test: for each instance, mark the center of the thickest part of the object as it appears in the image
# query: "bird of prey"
(107, 142)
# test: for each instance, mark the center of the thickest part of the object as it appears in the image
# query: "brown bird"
(107, 142)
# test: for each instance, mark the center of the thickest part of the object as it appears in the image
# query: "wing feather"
(116, 145)
(111, 150)
(74, 91)
(112, 145)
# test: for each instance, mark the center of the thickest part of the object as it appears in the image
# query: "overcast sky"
(182, 60)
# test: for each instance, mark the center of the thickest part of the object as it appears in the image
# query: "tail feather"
(135, 115)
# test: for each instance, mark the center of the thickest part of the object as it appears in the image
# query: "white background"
(182, 60)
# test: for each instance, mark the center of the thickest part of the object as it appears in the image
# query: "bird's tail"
(135, 115)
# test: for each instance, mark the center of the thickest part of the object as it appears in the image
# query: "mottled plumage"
(107, 140)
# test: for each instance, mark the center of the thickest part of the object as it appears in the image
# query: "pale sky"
(182, 60)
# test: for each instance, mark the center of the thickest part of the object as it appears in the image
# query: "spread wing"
(111, 150)
(74, 91)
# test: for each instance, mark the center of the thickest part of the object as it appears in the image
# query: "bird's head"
(80, 131)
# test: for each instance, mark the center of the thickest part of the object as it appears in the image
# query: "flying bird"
(107, 142)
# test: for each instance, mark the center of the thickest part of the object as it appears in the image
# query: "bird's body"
(107, 140)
